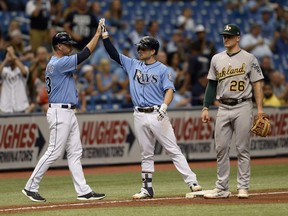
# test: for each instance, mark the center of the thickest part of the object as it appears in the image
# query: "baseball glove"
(261, 125)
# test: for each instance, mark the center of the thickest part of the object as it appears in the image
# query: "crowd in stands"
(188, 32)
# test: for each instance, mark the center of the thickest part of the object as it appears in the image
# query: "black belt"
(232, 101)
(64, 106)
(147, 109)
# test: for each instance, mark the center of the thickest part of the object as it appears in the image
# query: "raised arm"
(90, 47)
(113, 53)
(18, 63)
(4, 62)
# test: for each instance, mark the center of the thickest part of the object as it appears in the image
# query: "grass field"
(120, 186)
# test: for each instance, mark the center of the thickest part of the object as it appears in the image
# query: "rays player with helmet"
(63, 124)
(233, 76)
(151, 89)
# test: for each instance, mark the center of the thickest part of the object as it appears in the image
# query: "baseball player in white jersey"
(232, 76)
(151, 89)
(63, 124)
(14, 76)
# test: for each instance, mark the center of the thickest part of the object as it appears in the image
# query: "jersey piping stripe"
(32, 180)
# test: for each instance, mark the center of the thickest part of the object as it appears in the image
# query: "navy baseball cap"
(231, 29)
(62, 38)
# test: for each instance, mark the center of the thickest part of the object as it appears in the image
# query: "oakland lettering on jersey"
(144, 78)
(225, 73)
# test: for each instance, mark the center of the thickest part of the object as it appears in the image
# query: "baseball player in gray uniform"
(151, 89)
(232, 76)
(63, 124)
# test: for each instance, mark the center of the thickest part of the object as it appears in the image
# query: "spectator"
(198, 90)
(81, 24)
(21, 48)
(40, 23)
(88, 77)
(105, 80)
(182, 78)
(281, 43)
(197, 63)
(38, 65)
(153, 31)
(176, 44)
(162, 57)
(185, 20)
(16, 5)
(207, 47)
(114, 16)
(72, 6)
(267, 67)
(57, 18)
(88, 89)
(96, 10)
(280, 87)
(14, 78)
(234, 5)
(270, 99)
(267, 23)
(280, 17)
(255, 43)
(13, 25)
(3, 6)
(181, 96)
(137, 33)
(41, 92)
(254, 7)
(100, 53)
(139, 30)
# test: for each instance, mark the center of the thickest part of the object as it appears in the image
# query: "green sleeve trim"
(210, 93)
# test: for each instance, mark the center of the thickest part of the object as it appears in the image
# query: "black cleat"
(34, 196)
(91, 196)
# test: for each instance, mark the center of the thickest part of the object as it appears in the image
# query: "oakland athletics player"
(63, 124)
(232, 76)
(151, 89)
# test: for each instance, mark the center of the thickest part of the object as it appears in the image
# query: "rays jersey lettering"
(147, 83)
(144, 78)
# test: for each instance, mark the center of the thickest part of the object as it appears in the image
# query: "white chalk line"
(112, 202)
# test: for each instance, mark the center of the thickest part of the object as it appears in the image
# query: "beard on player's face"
(145, 55)
(66, 49)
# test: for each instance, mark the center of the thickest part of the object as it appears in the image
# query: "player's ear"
(59, 47)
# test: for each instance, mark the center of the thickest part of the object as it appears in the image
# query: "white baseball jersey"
(13, 94)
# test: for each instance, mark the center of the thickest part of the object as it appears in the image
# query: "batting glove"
(103, 28)
(162, 112)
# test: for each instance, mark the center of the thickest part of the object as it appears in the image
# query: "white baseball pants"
(64, 135)
(148, 130)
